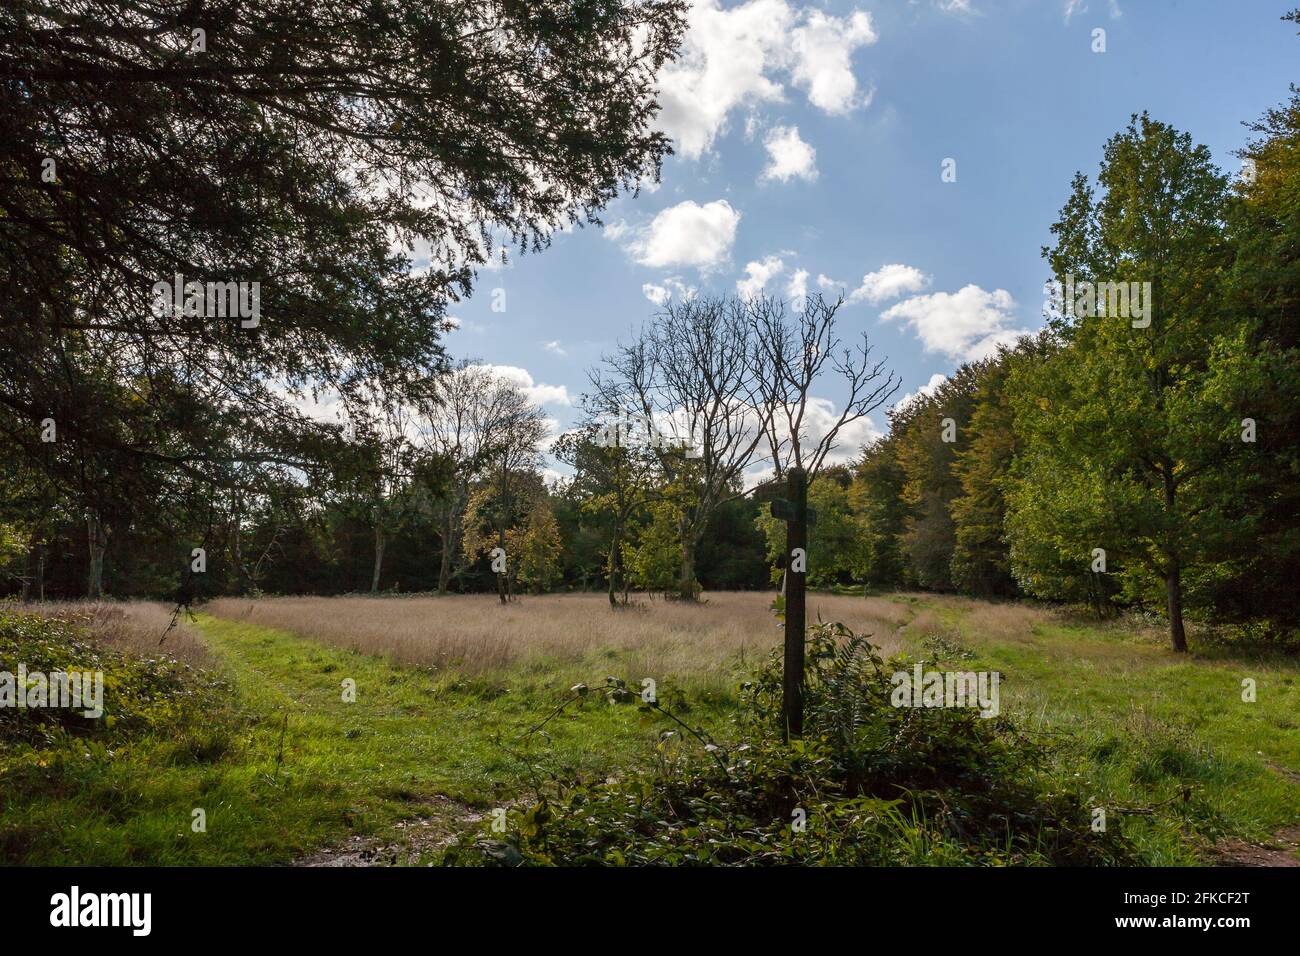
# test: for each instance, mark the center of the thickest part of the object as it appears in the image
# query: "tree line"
(1139, 450)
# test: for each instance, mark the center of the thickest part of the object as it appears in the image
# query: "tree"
(291, 169)
(1264, 227)
(691, 376)
(877, 493)
(538, 547)
(615, 477)
(981, 560)
(512, 428)
(790, 355)
(1128, 445)
(462, 427)
(932, 430)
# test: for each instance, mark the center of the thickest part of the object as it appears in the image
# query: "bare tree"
(790, 355)
(693, 372)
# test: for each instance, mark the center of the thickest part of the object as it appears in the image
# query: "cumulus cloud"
(929, 388)
(757, 275)
(537, 392)
(798, 286)
(789, 157)
(687, 234)
(887, 282)
(742, 56)
(965, 325)
(555, 348)
(822, 48)
(661, 293)
(820, 416)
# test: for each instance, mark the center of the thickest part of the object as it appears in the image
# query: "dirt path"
(410, 842)
(1284, 851)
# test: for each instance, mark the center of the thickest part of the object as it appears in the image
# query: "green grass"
(1146, 728)
(344, 768)
(1165, 744)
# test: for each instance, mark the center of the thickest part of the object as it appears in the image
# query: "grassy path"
(281, 764)
(284, 765)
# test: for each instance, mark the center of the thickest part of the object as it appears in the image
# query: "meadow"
(450, 693)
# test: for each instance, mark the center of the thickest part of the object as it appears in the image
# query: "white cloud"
(798, 287)
(929, 388)
(823, 47)
(657, 294)
(688, 234)
(789, 157)
(1080, 6)
(888, 282)
(964, 325)
(757, 275)
(538, 393)
(820, 415)
(554, 347)
(738, 57)
(672, 287)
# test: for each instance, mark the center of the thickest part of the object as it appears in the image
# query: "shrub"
(141, 694)
(874, 784)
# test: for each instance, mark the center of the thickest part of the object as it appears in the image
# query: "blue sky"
(811, 139)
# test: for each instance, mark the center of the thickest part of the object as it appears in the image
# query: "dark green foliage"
(309, 148)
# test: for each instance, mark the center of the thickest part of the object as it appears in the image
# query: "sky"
(911, 155)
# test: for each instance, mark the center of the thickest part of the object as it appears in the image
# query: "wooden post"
(796, 562)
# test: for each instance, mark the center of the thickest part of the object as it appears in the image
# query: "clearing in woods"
(446, 690)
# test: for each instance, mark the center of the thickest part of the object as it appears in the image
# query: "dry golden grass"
(475, 633)
(982, 620)
(133, 627)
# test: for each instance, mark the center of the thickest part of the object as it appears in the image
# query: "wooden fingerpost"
(797, 516)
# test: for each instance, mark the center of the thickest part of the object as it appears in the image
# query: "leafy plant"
(869, 784)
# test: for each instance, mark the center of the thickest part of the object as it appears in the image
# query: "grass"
(281, 764)
(1145, 727)
(477, 635)
(142, 628)
(447, 687)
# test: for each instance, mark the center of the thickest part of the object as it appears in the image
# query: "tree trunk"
(613, 562)
(1174, 593)
(380, 542)
(448, 548)
(1173, 573)
(686, 586)
(40, 572)
(97, 544)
